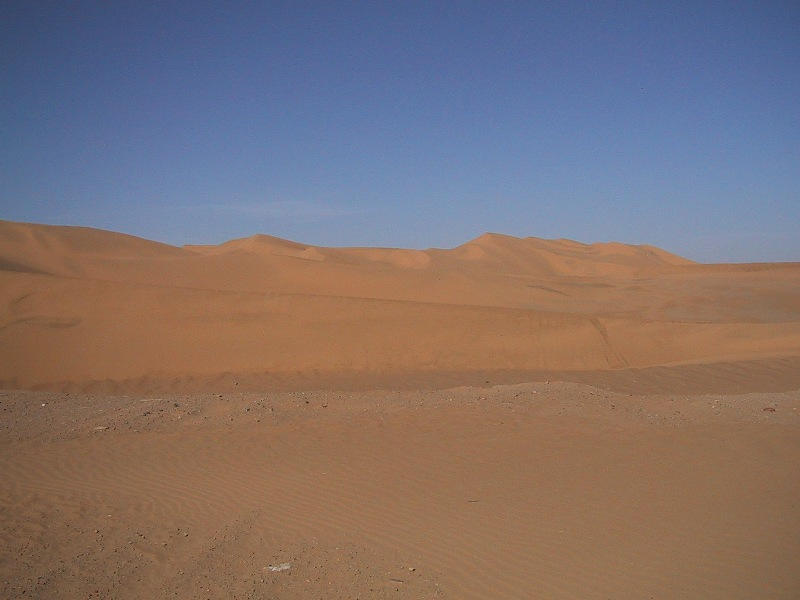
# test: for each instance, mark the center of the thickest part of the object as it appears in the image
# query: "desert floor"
(536, 490)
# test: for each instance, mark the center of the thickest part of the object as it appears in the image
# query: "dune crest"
(80, 305)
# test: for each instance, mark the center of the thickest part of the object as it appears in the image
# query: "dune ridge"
(80, 306)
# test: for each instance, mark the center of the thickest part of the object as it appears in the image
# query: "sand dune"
(80, 306)
(510, 418)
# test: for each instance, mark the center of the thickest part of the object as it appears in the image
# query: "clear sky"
(410, 124)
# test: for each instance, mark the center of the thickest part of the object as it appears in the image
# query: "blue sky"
(408, 124)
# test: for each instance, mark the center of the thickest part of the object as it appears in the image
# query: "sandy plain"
(511, 418)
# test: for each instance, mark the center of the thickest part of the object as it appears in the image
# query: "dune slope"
(80, 306)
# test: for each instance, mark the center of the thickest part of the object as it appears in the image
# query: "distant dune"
(81, 307)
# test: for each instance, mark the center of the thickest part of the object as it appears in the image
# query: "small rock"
(768, 409)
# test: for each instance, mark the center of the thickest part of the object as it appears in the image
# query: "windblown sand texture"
(511, 418)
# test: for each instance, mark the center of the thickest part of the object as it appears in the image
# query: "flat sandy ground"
(538, 490)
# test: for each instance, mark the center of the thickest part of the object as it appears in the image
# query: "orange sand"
(512, 418)
(80, 306)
